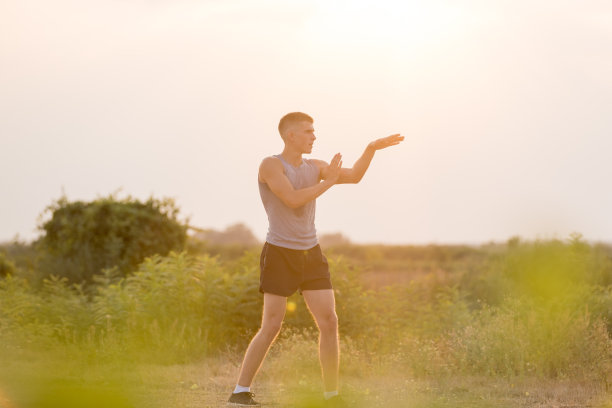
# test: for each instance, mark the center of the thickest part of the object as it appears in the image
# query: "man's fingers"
(337, 158)
(391, 139)
(394, 139)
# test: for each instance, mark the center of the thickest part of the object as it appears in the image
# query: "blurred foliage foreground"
(538, 309)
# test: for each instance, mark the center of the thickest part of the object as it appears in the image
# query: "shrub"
(83, 238)
(528, 338)
(179, 307)
(7, 267)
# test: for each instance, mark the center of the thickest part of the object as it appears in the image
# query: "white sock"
(240, 388)
(329, 394)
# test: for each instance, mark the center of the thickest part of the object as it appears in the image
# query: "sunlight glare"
(383, 23)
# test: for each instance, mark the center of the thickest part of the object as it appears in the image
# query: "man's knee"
(328, 323)
(271, 329)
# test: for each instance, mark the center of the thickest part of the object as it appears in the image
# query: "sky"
(506, 107)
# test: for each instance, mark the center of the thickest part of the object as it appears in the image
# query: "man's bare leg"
(272, 319)
(321, 304)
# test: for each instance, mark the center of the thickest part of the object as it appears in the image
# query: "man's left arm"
(355, 173)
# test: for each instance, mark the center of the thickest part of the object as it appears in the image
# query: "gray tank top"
(292, 227)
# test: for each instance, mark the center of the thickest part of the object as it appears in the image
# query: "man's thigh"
(321, 303)
(274, 309)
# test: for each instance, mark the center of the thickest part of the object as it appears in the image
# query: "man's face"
(302, 136)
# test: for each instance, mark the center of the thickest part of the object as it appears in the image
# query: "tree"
(82, 238)
(237, 234)
(334, 239)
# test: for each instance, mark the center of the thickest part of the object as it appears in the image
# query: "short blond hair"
(291, 119)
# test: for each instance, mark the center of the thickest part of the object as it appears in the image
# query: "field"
(519, 324)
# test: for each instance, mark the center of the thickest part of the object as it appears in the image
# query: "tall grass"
(535, 309)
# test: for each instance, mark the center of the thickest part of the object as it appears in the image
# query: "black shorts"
(284, 270)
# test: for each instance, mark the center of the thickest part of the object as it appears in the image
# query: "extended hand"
(386, 141)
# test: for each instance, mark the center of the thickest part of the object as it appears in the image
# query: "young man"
(291, 258)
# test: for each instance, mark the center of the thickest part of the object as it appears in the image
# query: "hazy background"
(506, 107)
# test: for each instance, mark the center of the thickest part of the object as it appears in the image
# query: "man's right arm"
(271, 172)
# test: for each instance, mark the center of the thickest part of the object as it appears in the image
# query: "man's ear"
(289, 135)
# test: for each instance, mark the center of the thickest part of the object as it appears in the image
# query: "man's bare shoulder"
(270, 159)
(269, 165)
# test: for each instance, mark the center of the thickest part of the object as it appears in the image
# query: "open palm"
(385, 142)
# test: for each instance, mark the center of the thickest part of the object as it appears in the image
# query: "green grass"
(67, 378)
(522, 325)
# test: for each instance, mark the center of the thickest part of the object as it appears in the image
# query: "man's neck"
(292, 157)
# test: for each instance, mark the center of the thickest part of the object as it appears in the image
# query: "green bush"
(180, 307)
(82, 238)
(527, 338)
(7, 267)
(21, 254)
(546, 271)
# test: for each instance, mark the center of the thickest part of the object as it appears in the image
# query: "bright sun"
(383, 23)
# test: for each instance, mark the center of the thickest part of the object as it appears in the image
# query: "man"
(291, 258)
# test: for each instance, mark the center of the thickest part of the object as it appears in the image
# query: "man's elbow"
(292, 203)
(357, 179)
